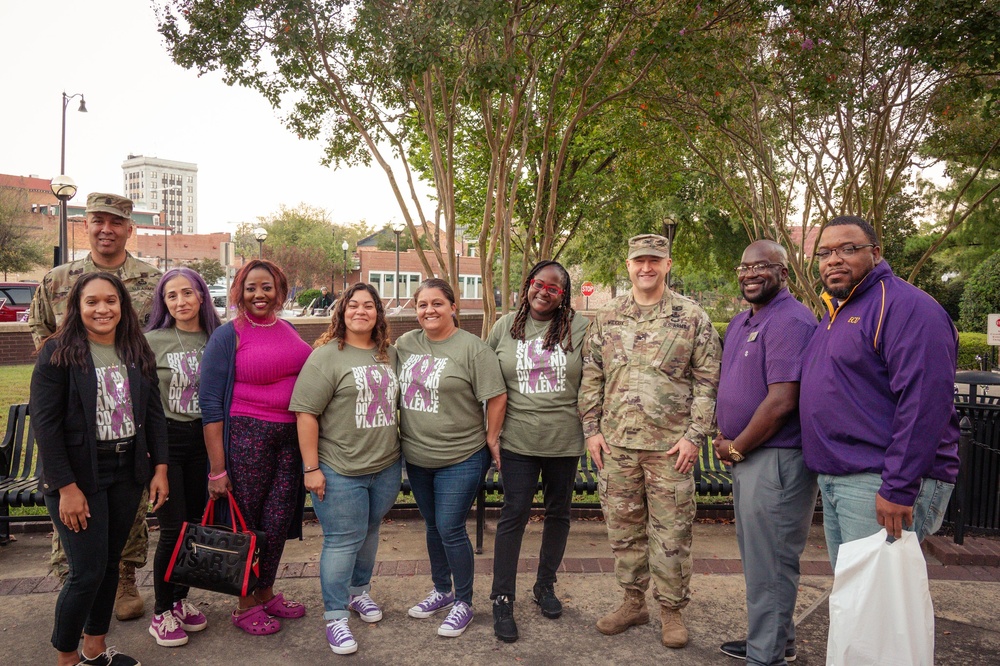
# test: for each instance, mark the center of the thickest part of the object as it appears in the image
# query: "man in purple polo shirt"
(878, 422)
(758, 421)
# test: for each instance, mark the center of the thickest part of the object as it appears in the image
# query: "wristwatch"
(735, 455)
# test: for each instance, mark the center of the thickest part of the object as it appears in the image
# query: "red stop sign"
(587, 288)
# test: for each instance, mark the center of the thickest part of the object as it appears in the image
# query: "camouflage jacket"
(49, 304)
(649, 380)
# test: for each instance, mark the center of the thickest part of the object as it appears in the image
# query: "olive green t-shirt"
(442, 385)
(178, 368)
(115, 418)
(355, 398)
(542, 386)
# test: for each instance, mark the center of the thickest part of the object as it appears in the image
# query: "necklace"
(256, 325)
(534, 328)
(118, 378)
(183, 350)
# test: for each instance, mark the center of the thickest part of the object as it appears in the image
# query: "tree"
(210, 270)
(19, 250)
(982, 295)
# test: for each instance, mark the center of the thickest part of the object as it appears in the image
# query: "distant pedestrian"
(647, 400)
(540, 351)
(879, 425)
(773, 492)
(325, 301)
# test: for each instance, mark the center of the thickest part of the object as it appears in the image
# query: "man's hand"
(721, 445)
(597, 446)
(687, 454)
(893, 517)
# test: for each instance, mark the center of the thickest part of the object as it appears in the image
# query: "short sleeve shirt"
(442, 387)
(762, 349)
(542, 387)
(115, 418)
(355, 397)
(178, 369)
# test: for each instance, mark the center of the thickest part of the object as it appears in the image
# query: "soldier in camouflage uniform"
(109, 225)
(650, 374)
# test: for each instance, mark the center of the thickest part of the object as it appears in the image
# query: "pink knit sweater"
(268, 361)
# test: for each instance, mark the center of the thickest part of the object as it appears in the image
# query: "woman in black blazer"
(95, 408)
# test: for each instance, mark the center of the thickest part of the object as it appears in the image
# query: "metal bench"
(20, 466)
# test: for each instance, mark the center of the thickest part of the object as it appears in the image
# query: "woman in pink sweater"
(248, 372)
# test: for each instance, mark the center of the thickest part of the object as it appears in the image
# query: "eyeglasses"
(844, 251)
(755, 269)
(549, 289)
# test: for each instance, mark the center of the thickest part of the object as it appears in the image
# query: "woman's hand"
(494, 447)
(73, 507)
(315, 482)
(159, 488)
(219, 487)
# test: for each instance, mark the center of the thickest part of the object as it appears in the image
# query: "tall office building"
(166, 186)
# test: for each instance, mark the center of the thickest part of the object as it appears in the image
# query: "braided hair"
(561, 329)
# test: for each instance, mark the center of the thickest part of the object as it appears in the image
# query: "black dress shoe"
(504, 626)
(546, 599)
(738, 650)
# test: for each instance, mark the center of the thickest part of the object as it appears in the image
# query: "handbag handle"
(234, 514)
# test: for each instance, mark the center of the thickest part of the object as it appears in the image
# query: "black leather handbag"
(220, 558)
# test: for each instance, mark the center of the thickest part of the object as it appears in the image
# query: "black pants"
(520, 482)
(87, 598)
(187, 474)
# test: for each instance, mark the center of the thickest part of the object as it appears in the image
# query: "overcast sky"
(140, 102)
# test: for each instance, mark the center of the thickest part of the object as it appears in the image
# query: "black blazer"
(63, 409)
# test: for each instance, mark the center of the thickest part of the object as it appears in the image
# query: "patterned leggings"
(265, 468)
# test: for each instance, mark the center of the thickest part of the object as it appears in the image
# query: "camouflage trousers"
(135, 547)
(649, 508)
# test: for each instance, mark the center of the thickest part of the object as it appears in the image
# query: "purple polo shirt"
(762, 349)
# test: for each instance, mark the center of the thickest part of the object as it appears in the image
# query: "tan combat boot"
(128, 603)
(675, 634)
(631, 613)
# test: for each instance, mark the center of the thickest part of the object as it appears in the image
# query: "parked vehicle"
(15, 297)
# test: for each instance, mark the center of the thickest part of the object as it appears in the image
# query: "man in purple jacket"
(878, 422)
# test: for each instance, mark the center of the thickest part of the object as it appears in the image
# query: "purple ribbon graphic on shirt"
(541, 360)
(189, 368)
(378, 381)
(420, 373)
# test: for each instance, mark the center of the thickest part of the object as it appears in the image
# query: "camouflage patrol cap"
(98, 202)
(648, 244)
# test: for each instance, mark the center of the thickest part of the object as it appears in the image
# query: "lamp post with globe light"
(62, 186)
(397, 228)
(344, 247)
(260, 233)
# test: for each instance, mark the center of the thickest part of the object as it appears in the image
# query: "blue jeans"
(350, 514)
(444, 497)
(849, 508)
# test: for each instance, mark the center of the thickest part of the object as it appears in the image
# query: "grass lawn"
(14, 382)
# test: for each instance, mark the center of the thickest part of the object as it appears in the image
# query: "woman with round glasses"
(539, 347)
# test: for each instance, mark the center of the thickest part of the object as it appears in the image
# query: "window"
(152, 174)
(190, 188)
(190, 179)
(384, 282)
(471, 286)
(190, 199)
(190, 229)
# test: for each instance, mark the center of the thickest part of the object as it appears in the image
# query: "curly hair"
(72, 342)
(161, 317)
(240, 281)
(561, 330)
(338, 327)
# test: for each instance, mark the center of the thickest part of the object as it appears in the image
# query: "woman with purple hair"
(183, 318)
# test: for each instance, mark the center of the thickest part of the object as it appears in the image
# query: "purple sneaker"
(189, 617)
(167, 632)
(340, 638)
(434, 602)
(363, 605)
(458, 619)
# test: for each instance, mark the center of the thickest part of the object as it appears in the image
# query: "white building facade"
(167, 186)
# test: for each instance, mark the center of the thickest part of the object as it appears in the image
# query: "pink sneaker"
(189, 617)
(167, 632)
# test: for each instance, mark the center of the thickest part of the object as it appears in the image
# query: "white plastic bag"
(880, 606)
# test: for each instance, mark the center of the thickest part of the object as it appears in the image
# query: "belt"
(116, 446)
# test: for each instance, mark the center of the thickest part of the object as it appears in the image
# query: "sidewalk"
(966, 600)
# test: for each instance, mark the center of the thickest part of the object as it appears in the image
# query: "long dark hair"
(338, 327)
(161, 317)
(561, 329)
(438, 283)
(72, 344)
(240, 282)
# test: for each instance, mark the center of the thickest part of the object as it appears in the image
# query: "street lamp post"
(64, 197)
(344, 247)
(260, 233)
(669, 229)
(397, 228)
(166, 224)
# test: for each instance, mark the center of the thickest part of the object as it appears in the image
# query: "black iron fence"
(975, 504)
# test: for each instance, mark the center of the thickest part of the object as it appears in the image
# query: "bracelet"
(310, 469)
(216, 477)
